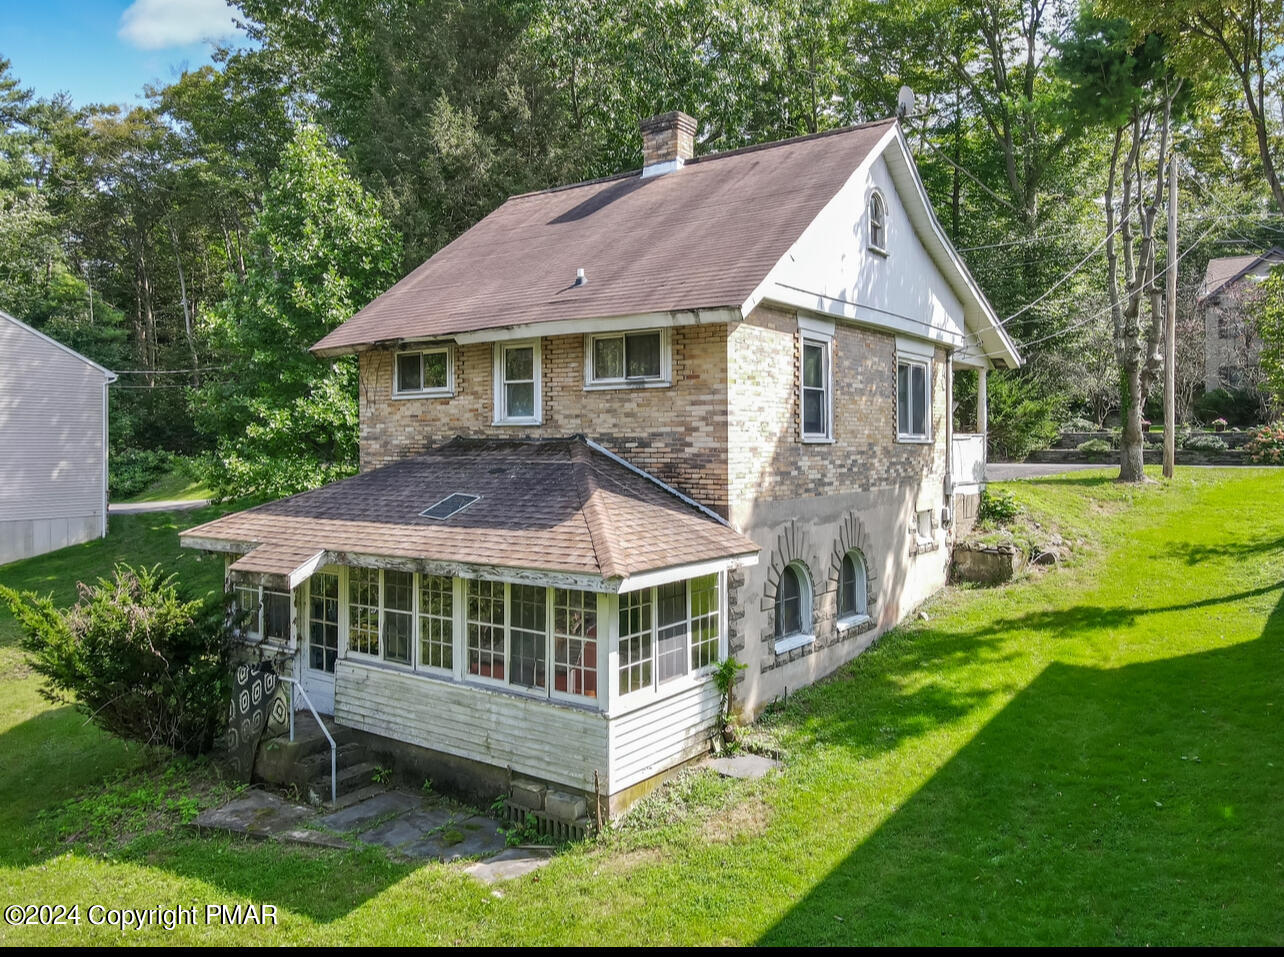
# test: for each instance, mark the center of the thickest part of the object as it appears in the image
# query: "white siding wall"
(654, 738)
(52, 473)
(538, 738)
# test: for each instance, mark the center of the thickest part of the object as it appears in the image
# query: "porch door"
(321, 649)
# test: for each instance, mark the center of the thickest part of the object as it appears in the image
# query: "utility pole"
(1170, 326)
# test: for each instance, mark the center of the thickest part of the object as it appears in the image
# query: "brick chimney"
(668, 141)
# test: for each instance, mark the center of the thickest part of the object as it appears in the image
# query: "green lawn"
(175, 486)
(1092, 756)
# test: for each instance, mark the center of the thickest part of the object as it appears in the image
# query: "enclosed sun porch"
(558, 615)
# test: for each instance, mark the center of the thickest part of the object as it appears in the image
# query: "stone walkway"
(404, 824)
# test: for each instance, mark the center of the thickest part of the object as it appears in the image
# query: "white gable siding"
(832, 268)
(52, 460)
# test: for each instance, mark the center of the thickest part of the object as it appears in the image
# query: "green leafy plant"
(997, 507)
(1265, 444)
(131, 471)
(1094, 446)
(1203, 442)
(426, 787)
(381, 775)
(724, 679)
(134, 655)
(1079, 425)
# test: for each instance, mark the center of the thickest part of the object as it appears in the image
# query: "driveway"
(134, 508)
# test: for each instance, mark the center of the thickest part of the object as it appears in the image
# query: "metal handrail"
(334, 749)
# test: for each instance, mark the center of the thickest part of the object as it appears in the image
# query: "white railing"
(334, 750)
(967, 459)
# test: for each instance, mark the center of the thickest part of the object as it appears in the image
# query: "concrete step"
(316, 766)
(350, 778)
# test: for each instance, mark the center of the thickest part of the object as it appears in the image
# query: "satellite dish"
(904, 101)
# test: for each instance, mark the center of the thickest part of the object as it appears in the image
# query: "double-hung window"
(816, 380)
(268, 613)
(913, 398)
(628, 359)
(517, 383)
(668, 632)
(424, 373)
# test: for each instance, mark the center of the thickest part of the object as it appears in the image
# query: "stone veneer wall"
(679, 433)
(813, 502)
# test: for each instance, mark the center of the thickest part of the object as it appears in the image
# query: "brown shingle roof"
(553, 505)
(701, 237)
(1222, 271)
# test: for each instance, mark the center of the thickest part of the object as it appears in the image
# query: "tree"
(1269, 310)
(1126, 84)
(320, 249)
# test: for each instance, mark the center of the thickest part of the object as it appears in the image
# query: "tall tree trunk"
(187, 310)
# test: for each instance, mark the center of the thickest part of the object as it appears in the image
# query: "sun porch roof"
(563, 511)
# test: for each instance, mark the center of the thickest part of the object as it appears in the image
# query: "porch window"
(436, 622)
(575, 642)
(668, 632)
(424, 373)
(363, 611)
(269, 612)
(630, 358)
(398, 615)
(484, 617)
(517, 383)
(913, 399)
(528, 635)
(323, 621)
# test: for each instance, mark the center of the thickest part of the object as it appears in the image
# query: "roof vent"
(450, 505)
(668, 141)
(579, 277)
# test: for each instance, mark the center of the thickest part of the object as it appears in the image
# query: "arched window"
(793, 602)
(878, 221)
(852, 590)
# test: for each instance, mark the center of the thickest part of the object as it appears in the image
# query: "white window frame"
(500, 393)
(926, 363)
(662, 381)
(622, 701)
(446, 349)
(826, 344)
(257, 630)
(807, 612)
(876, 196)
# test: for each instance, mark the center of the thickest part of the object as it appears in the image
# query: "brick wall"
(767, 460)
(679, 434)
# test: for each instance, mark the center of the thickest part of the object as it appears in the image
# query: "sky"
(104, 51)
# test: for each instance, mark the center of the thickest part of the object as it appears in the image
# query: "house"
(1232, 349)
(53, 444)
(618, 431)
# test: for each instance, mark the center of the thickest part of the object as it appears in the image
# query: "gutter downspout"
(949, 438)
(111, 377)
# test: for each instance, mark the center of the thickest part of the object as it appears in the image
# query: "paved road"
(1002, 471)
(134, 508)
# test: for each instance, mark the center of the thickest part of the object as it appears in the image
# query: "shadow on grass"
(1235, 550)
(1137, 805)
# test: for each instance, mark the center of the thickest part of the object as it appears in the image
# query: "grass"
(1091, 756)
(175, 486)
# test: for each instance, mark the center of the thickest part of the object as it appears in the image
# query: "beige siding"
(51, 432)
(538, 738)
(658, 736)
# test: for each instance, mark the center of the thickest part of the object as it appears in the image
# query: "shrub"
(997, 508)
(1080, 425)
(134, 656)
(1094, 446)
(1265, 444)
(131, 471)
(1237, 407)
(1203, 442)
(1023, 416)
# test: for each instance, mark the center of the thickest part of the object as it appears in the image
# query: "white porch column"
(982, 407)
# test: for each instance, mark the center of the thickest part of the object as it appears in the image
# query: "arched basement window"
(852, 586)
(793, 602)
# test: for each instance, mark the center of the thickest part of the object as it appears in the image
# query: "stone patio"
(405, 824)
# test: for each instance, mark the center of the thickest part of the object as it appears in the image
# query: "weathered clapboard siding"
(538, 738)
(658, 736)
(52, 434)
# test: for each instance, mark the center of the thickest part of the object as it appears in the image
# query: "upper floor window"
(628, 358)
(816, 389)
(517, 383)
(878, 222)
(913, 398)
(424, 373)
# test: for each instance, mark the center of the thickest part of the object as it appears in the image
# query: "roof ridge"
(709, 157)
(596, 517)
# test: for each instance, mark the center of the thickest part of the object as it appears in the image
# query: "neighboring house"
(618, 431)
(1232, 349)
(53, 444)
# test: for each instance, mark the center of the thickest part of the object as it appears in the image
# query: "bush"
(1080, 425)
(1022, 416)
(1236, 406)
(1265, 445)
(997, 508)
(131, 471)
(1094, 445)
(1203, 442)
(134, 656)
